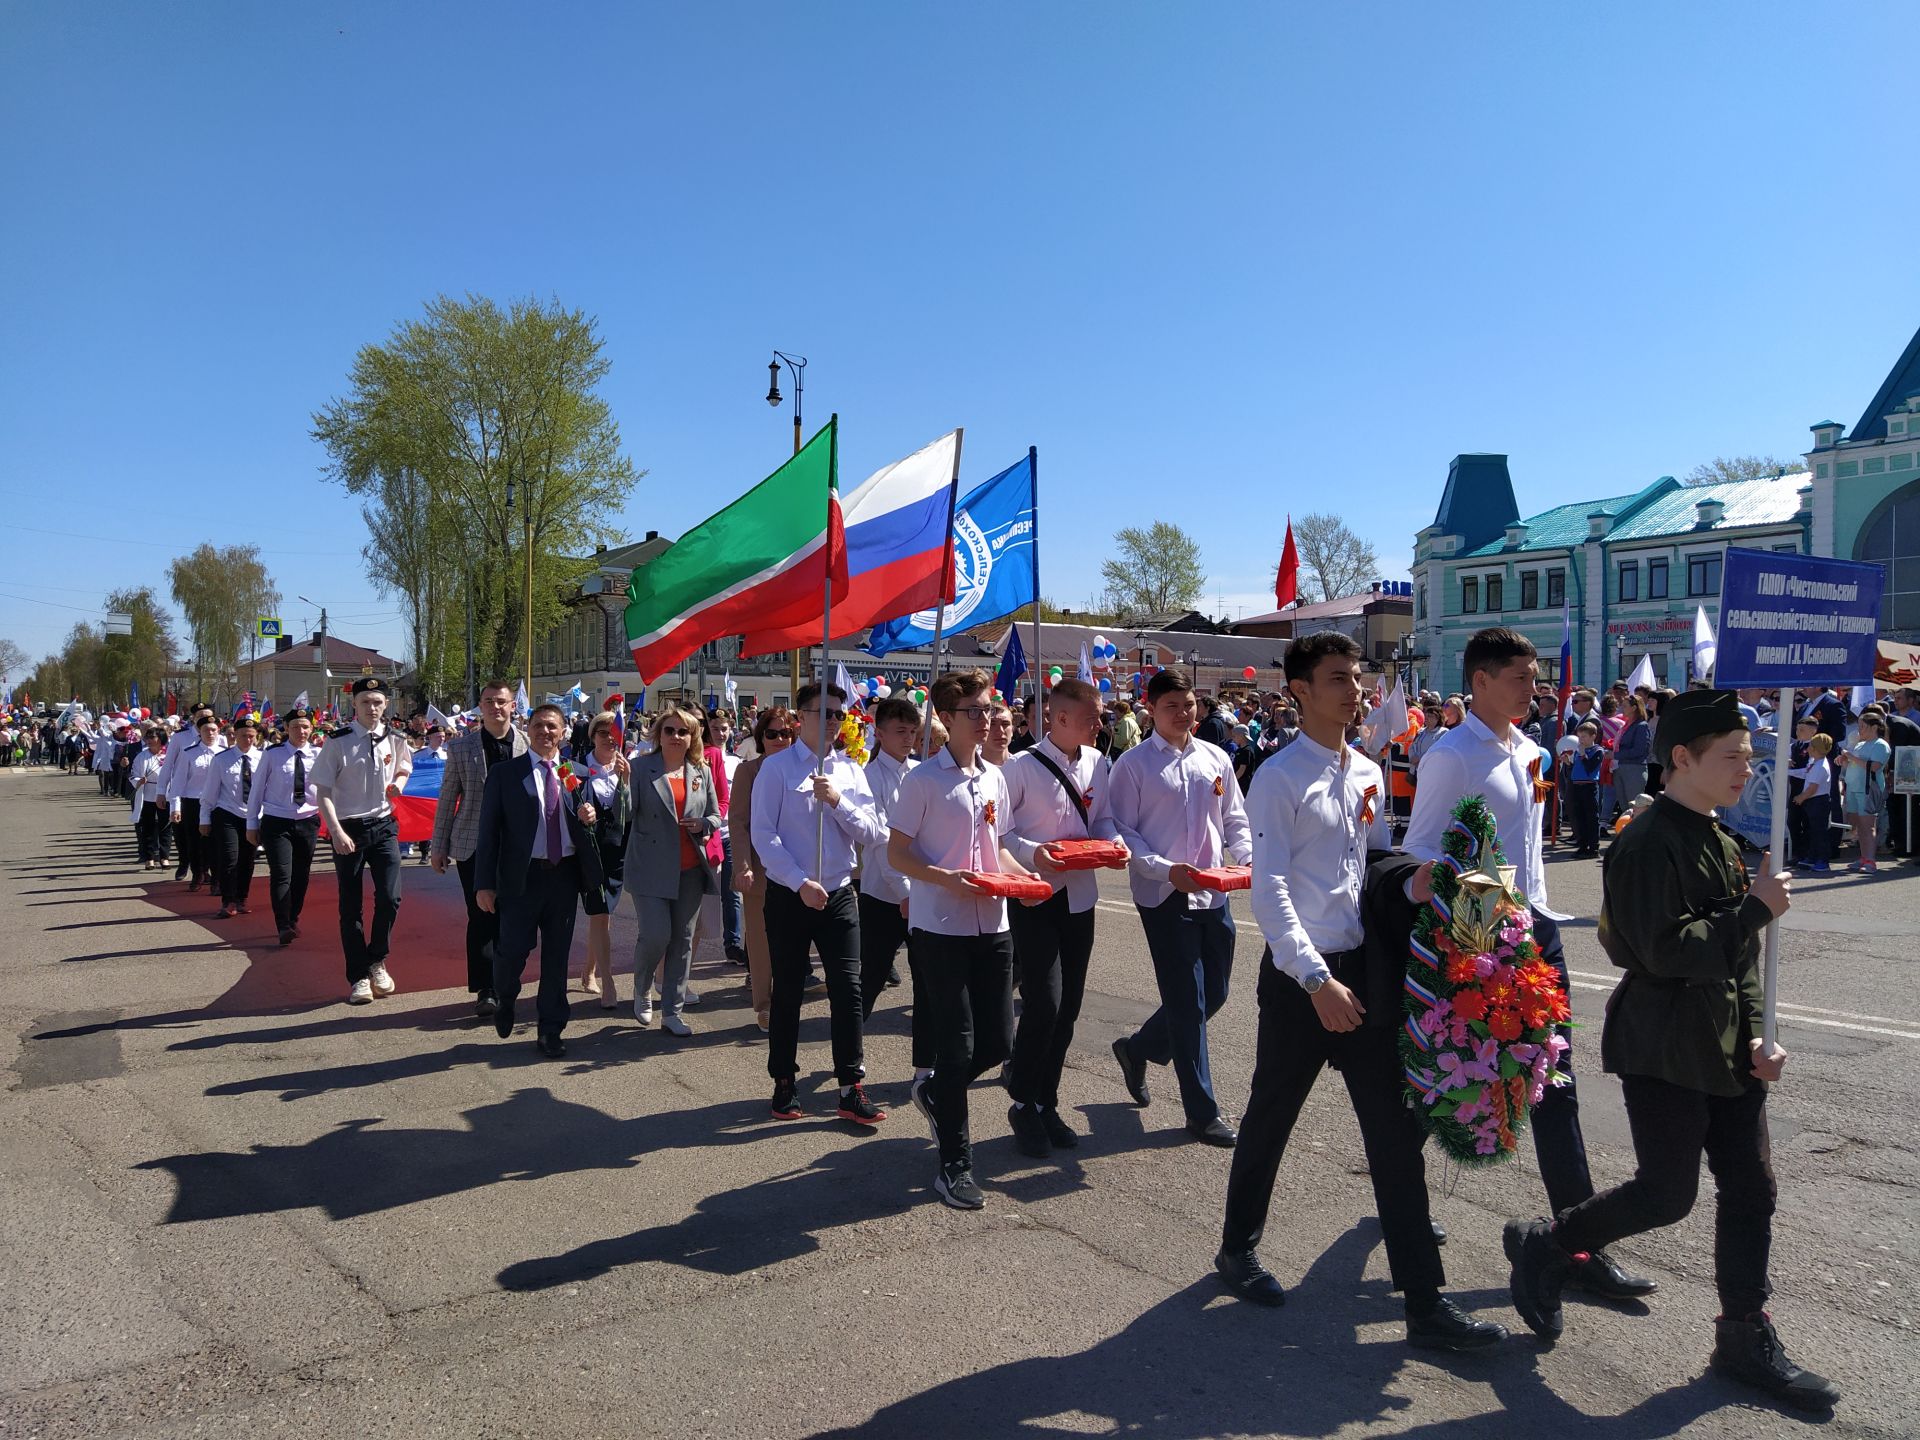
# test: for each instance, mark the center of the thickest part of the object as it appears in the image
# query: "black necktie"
(246, 778)
(299, 778)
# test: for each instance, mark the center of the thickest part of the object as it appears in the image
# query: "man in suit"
(456, 825)
(534, 858)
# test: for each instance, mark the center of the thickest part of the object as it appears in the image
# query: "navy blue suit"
(532, 897)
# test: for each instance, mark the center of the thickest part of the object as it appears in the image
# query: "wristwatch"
(1313, 985)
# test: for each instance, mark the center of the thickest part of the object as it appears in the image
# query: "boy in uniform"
(1683, 1032)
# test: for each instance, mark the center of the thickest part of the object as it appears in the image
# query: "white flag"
(521, 705)
(1643, 675)
(1861, 698)
(1388, 719)
(300, 703)
(733, 690)
(845, 682)
(434, 717)
(1704, 649)
(1086, 667)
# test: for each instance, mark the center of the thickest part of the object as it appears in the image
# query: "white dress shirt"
(1313, 822)
(878, 878)
(273, 785)
(603, 785)
(545, 773)
(221, 785)
(181, 739)
(1177, 807)
(1038, 811)
(784, 822)
(956, 818)
(183, 781)
(1471, 760)
(144, 776)
(355, 770)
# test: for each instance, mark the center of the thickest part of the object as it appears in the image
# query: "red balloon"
(1249, 672)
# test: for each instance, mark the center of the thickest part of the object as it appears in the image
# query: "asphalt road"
(229, 1204)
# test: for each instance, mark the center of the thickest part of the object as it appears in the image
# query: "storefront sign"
(1797, 620)
(1676, 625)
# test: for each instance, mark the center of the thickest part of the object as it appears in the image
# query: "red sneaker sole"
(862, 1119)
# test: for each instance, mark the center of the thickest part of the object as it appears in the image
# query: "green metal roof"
(1665, 507)
(1555, 529)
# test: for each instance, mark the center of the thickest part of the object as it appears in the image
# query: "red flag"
(173, 702)
(1286, 584)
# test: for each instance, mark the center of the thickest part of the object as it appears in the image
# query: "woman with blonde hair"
(772, 733)
(675, 809)
(606, 775)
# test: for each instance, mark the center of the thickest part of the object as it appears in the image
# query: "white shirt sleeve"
(1124, 795)
(1272, 807)
(1441, 785)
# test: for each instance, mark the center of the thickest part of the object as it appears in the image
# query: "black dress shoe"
(484, 1004)
(1132, 1071)
(893, 976)
(1439, 1232)
(552, 1046)
(1248, 1278)
(1599, 1274)
(1216, 1132)
(1029, 1131)
(1058, 1131)
(503, 1019)
(1448, 1327)
(1540, 1268)
(286, 935)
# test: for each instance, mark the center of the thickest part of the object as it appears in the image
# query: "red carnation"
(1461, 970)
(1504, 1025)
(1470, 1005)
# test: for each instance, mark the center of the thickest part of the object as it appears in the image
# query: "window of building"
(1556, 588)
(1875, 466)
(1496, 594)
(1846, 469)
(1896, 427)
(1788, 549)
(1530, 590)
(1629, 587)
(1469, 594)
(1656, 580)
(1703, 575)
(1891, 536)
(1900, 462)
(1820, 470)
(1420, 600)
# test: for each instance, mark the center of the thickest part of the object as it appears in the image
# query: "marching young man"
(456, 825)
(185, 738)
(284, 817)
(1683, 1033)
(180, 780)
(1318, 809)
(226, 790)
(1486, 755)
(361, 768)
(949, 826)
(883, 889)
(533, 859)
(811, 810)
(1056, 790)
(1176, 807)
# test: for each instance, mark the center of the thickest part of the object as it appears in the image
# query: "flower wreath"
(1479, 1044)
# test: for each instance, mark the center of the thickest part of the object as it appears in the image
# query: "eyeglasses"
(975, 712)
(668, 732)
(779, 735)
(835, 715)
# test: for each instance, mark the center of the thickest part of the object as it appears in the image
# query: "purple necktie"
(553, 812)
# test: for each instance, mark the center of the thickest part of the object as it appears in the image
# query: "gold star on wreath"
(1486, 894)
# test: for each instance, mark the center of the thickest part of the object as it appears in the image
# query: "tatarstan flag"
(762, 562)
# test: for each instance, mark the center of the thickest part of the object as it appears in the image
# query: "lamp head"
(773, 382)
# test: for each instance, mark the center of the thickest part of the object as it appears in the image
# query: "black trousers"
(1583, 805)
(376, 843)
(835, 931)
(483, 934)
(1291, 1049)
(1052, 948)
(544, 910)
(154, 831)
(232, 857)
(193, 850)
(1192, 954)
(1558, 1144)
(883, 930)
(970, 980)
(1672, 1127)
(290, 845)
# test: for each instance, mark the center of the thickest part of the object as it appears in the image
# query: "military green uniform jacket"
(1677, 918)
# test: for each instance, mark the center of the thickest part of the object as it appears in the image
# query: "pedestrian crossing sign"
(268, 627)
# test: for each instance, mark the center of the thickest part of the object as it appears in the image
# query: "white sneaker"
(689, 996)
(643, 1011)
(674, 1025)
(382, 981)
(361, 993)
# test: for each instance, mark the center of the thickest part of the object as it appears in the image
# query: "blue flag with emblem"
(1013, 664)
(992, 561)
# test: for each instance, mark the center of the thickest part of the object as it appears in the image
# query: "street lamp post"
(797, 366)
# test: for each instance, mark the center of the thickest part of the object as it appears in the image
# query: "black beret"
(1696, 713)
(370, 685)
(299, 712)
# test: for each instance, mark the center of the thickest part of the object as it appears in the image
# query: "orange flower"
(1470, 1004)
(1539, 977)
(1504, 1025)
(1461, 971)
(1499, 995)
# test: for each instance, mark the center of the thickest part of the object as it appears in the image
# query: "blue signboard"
(1796, 620)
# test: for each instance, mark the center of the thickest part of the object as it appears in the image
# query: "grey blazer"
(653, 844)
(456, 815)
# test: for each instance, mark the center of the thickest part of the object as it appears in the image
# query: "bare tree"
(1723, 468)
(1334, 561)
(1153, 570)
(13, 660)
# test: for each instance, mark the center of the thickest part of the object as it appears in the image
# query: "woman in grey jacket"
(675, 809)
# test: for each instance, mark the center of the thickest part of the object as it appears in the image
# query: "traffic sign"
(268, 627)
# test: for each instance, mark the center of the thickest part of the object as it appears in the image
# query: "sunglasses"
(830, 714)
(669, 732)
(779, 735)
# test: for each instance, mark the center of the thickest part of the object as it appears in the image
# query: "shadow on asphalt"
(1199, 1365)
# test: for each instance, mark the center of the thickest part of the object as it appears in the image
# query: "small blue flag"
(1013, 664)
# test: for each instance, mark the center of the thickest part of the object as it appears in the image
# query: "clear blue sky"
(1218, 262)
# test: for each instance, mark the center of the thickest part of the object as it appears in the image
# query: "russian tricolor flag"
(899, 525)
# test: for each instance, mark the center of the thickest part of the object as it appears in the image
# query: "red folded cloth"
(1012, 887)
(1225, 877)
(1089, 854)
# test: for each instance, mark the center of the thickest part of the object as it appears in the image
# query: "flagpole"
(1036, 666)
(1776, 853)
(826, 643)
(940, 608)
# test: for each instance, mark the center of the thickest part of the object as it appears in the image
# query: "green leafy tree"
(222, 592)
(457, 411)
(1153, 570)
(1741, 467)
(145, 656)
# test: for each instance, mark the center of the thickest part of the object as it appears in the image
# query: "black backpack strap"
(1079, 800)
